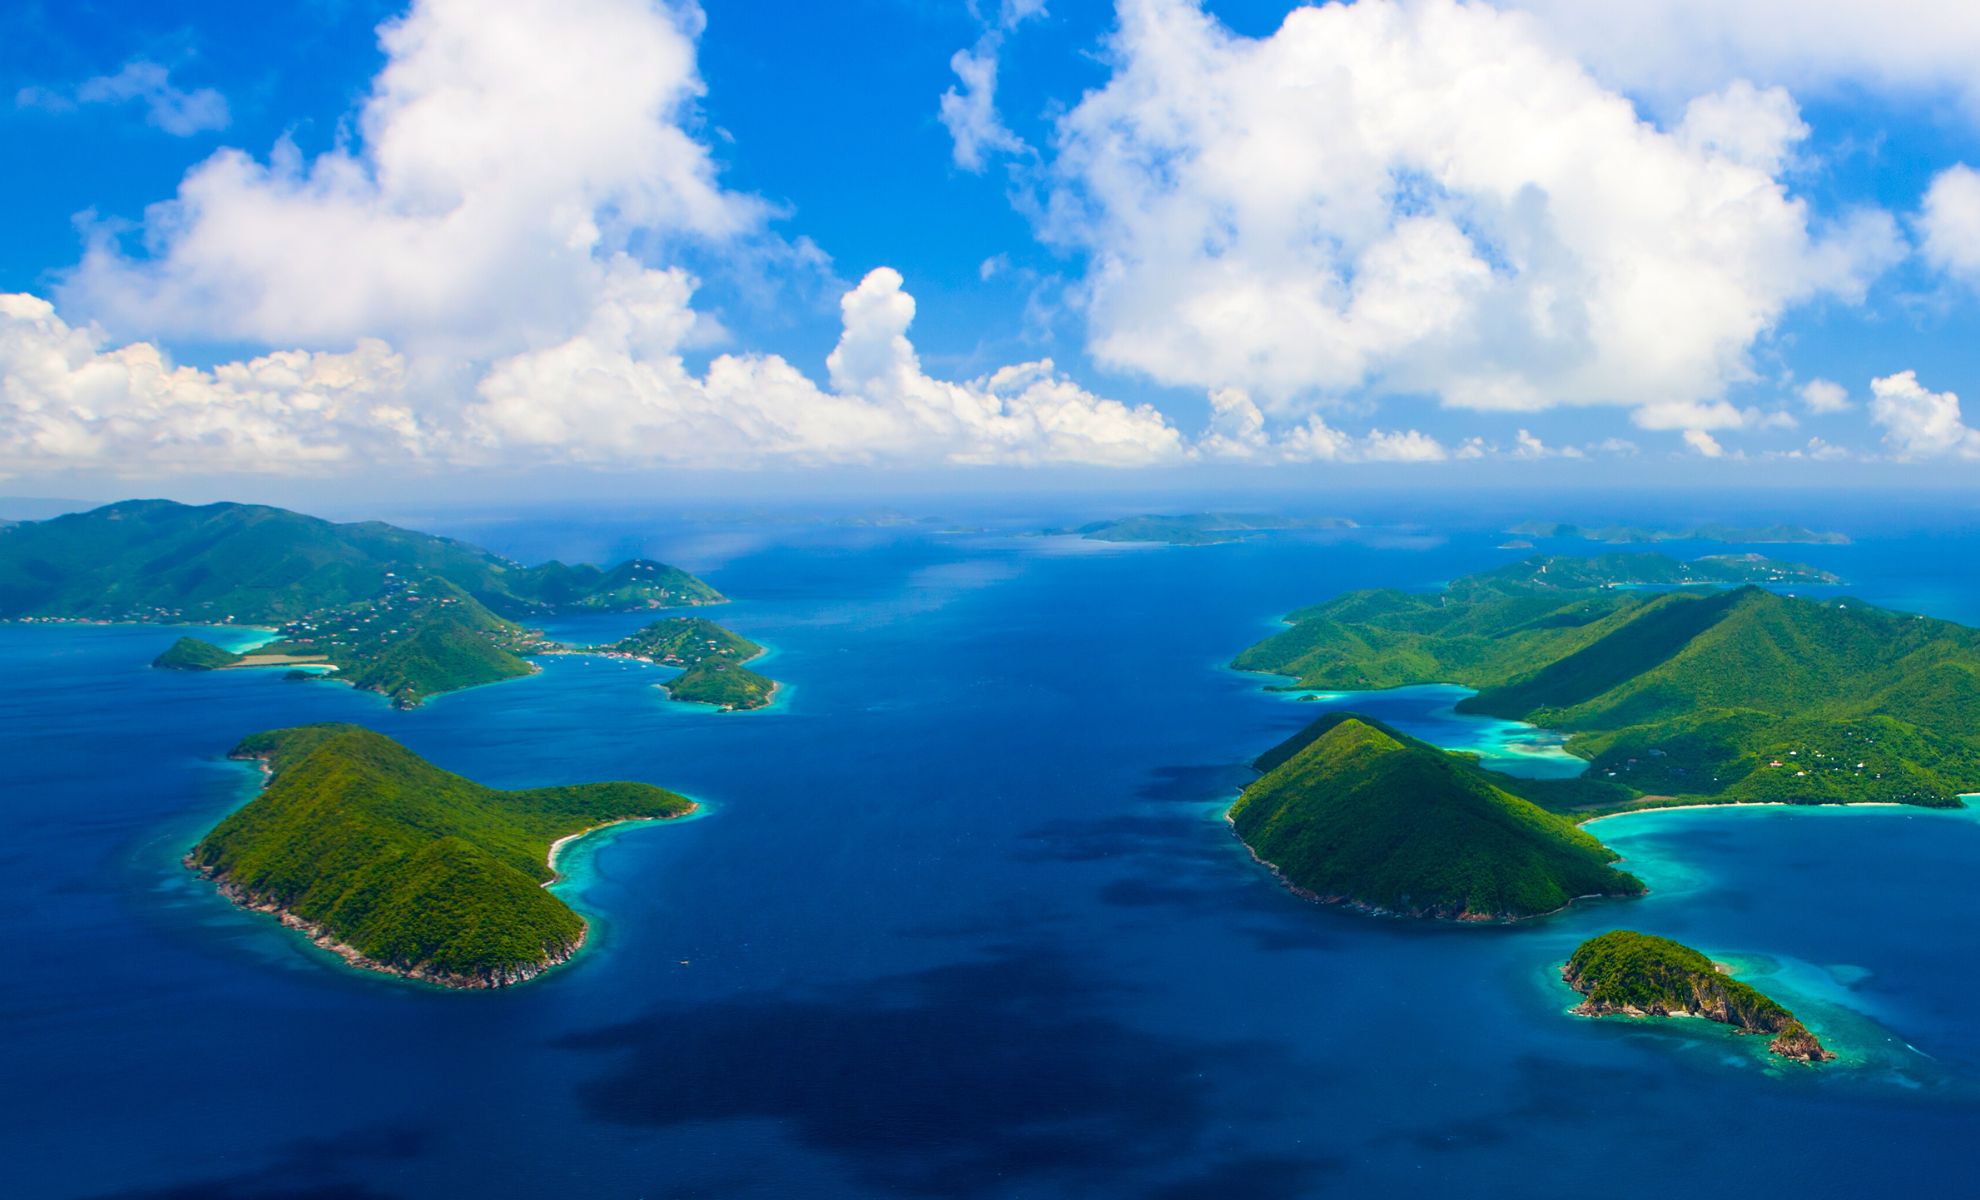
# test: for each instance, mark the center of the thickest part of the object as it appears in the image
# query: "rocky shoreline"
(321, 936)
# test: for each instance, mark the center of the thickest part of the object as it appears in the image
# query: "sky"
(631, 244)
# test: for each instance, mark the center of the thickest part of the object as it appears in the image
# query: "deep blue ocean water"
(961, 918)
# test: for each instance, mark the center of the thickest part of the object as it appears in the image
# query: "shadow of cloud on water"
(313, 1168)
(965, 1079)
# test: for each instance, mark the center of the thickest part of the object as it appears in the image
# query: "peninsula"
(1350, 811)
(1636, 975)
(408, 615)
(1750, 535)
(711, 659)
(1693, 696)
(401, 867)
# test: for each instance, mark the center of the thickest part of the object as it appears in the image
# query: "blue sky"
(633, 237)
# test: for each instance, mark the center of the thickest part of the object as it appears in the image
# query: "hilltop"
(1633, 974)
(250, 564)
(711, 659)
(1737, 694)
(405, 868)
(408, 615)
(1351, 811)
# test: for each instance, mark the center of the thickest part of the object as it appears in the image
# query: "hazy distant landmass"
(402, 867)
(1624, 973)
(405, 614)
(1351, 811)
(1201, 529)
(1732, 694)
(1753, 535)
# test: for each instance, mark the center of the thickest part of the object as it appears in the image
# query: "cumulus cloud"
(1704, 443)
(1949, 223)
(620, 391)
(976, 129)
(1675, 49)
(1918, 422)
(1238, 431)
(1428, 197)
(67, 402)
(174, 110)
(506, 151)
(1823, 396)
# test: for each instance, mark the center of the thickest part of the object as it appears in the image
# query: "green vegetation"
(154, 560)
(192, 654)
(1697, 697)
(726, 685)
(1351, 811)
(1634, 974)
(411, 642)
(1201, 529)
(711, 658)
(1749, 535)
(406, 614)
(405, 868)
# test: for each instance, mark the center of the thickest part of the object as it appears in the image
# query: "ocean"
(960, 916)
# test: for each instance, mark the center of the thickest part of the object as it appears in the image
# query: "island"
(1749, 535)
(196, 654)
(711, 658)
(403, 868)
(1674, 695)
(1201, 529)
(1350, 811)
(408, 615)
(1636, 975)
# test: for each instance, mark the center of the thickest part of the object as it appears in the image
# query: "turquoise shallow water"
(961, 918)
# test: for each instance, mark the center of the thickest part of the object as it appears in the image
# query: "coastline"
(1664, 808)
(556, 847)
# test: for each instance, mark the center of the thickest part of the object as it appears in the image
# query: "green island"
(1636, 975)
(1350, 811)
(712, 659)
(1201, 529)
(1693, 696)
(1622, 535)
(401, 867)
(408, 615)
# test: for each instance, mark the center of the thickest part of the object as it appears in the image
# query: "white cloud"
(1919, 423)
(1824, 396)
(976, 129)
(177, 111)
(619, 392)
(1949, 223)
(1425, 197)
(1675, 49)
(66, 402)
(1237, 431)
(1704, 443)
(507, 151)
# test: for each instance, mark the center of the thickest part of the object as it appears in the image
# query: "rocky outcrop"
(1628, 974)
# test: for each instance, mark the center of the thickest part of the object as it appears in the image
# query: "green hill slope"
(1730, 695)
(403, 867)
(194, 654)
(252, 564)
(1350, 811)
(1633, 974)
(711, 658)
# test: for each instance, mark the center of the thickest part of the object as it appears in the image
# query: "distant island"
(712, 659)
(1350, 811)
(1636, 975)
(1750, 535)
(404, 614)
(401, 867)
(1734, 694)
(1201, 529)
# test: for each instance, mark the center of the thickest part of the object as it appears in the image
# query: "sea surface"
(961, 916)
